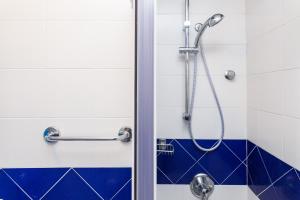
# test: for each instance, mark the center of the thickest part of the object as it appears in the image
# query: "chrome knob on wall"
(230, 75)
(202, 186)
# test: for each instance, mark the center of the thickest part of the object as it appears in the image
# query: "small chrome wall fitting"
(230, 75)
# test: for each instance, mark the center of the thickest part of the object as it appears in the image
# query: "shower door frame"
(144, 141)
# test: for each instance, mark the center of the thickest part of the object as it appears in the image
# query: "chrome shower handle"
(52, 134)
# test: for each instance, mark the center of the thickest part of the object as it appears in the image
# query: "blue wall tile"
(270, 178)
(9, 190)
(65, 183)
(124, 193)
(36, 181)
(176, 165)
(259, 176)
(112, 179)
(72, 187)
(288, 187)
(222, 165)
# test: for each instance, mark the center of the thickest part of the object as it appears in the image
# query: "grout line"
(232, 172)
(273, 71)
(251, 152)
(87, 184)
(264, 165)
(185, 173)
(186, 151)
(16, 184)
(273, 113)
(55, 183)
(120, 189)
(297, 174)
(288, 171)
(165, 175)
(250, 177)
(272, 184)
(231, 151)
(211, 176)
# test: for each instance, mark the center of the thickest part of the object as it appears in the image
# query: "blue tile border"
(65, 183)
(269, 177)
(226, 165)
(235, 162)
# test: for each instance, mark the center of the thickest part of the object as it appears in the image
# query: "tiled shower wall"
(69, 64)
(225, 46)
(273, 29)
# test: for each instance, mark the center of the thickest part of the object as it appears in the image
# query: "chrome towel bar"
(52, 134)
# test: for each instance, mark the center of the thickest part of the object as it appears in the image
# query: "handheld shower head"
(212, 21)
(215, 19)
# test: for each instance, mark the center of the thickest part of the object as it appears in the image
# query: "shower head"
(215, 19)
(212, 21)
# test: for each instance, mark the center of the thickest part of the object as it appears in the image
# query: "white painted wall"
(69, 64)
(273, 29)
(225, 46)
(180, 192)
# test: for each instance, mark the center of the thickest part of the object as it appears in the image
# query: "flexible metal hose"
(217, 144)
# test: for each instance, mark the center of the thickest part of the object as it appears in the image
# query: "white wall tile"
(90, 44)
(253, 117)
(292, 141)
(170, 91)
(251, 195)
(291, 46)
(206, 123)
(89, 9)
(67, 44)
(263, 16)
(230, 31)
(22, 10)
(201, 6)
(22, 44)
(219, 57)
(265, 53)
(271, 133)
(66, 93)
(273, 92)
(291, 93)
(291, 9)
(67, 63)
(179, 192)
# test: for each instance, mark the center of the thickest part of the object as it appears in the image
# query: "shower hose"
(190, 129)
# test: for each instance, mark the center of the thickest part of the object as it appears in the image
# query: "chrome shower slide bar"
(52, 134)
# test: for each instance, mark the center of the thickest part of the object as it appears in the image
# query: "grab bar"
(52, 135)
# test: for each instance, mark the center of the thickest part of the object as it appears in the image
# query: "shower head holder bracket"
(191, 50)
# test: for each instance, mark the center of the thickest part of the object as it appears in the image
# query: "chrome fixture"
(193, 51)
(200, 28)
(229, 75)
(52, 135)
(186, 29)
(202, 186)
(164, 148)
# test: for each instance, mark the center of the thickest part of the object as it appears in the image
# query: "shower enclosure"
(220, 119)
